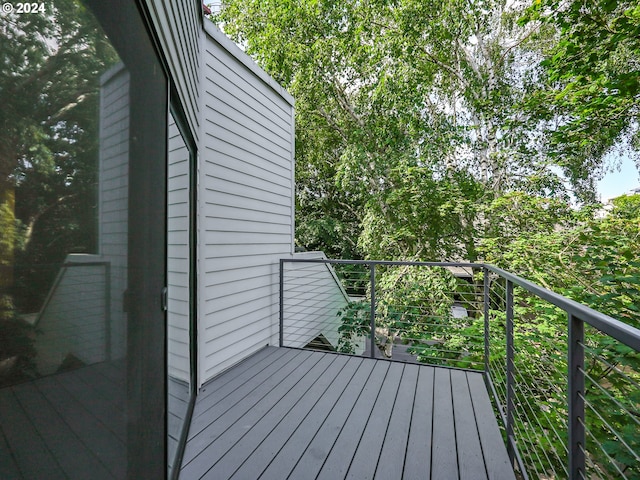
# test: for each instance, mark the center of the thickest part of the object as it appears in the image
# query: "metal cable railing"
(565, 378)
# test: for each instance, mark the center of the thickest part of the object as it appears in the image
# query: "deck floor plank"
(103, 386)
(308, 463)
(336, 464)
(495, 454)
(365, 459)
(281, 421)
(256, 365)
(391, 460)
(210, 444)
(73, 456)
(314, 415)
(470, 460)
(91, 430)
(249, 378)
(300, 424)
(34, 458)
(96, 404)
(417, 460)
(444, 462)
(9, 469)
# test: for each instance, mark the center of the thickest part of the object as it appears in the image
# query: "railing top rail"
(383, 262)
(621, 331)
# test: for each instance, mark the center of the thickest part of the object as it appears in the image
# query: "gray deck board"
(288, 413)
(281, 421)
(235, 378)
(70, 453)
(8, 467)
(495, 453)
(444, 461)
(337, 463)
(365, 459)
(470, 461)
(313, 455)
(34, 458)
(67, 425)
(206, 448)
(96, 404)
(302, 421)
(417, 460)
(94, 432)
(391, 459)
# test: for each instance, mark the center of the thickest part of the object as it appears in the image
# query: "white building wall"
(313, 297)
(178, 24)
(243, 124)
(245, 206)
(178, 267)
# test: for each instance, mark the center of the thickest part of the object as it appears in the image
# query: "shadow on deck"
(289, 413)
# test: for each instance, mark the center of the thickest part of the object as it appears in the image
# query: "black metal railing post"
(510, 372)
(281, 318)
(372, 284)
(575, 359)
(486, 319)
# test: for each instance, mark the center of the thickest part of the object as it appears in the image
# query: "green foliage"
(591, 82)
(592, 260)
(355, 323)
(407, 118)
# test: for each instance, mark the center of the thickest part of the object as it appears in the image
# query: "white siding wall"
(245, 204)
(178, 24)
(178, 255)
(313, 296)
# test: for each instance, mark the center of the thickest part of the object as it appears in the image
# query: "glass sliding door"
(81, 259)
(181, 283)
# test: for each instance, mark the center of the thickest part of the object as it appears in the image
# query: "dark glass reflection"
(179, 302)
(64, 120)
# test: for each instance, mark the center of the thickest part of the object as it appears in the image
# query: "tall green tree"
(407, 117)
(591, 84)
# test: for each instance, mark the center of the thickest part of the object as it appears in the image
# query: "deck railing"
(564, 377)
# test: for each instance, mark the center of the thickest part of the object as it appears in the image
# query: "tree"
(591, 84)
(404, 109)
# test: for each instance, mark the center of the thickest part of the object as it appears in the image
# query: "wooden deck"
(287, 413)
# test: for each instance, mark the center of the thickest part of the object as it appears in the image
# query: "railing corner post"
(510, 373)
(576, 408)
(486, 319)
(372, 282)
(281, 303)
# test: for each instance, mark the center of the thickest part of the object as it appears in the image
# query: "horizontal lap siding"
(178, 27)
(312, 299)
(178, 255)
(245, 206)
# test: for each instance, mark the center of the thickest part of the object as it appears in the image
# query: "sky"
(618, 182)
